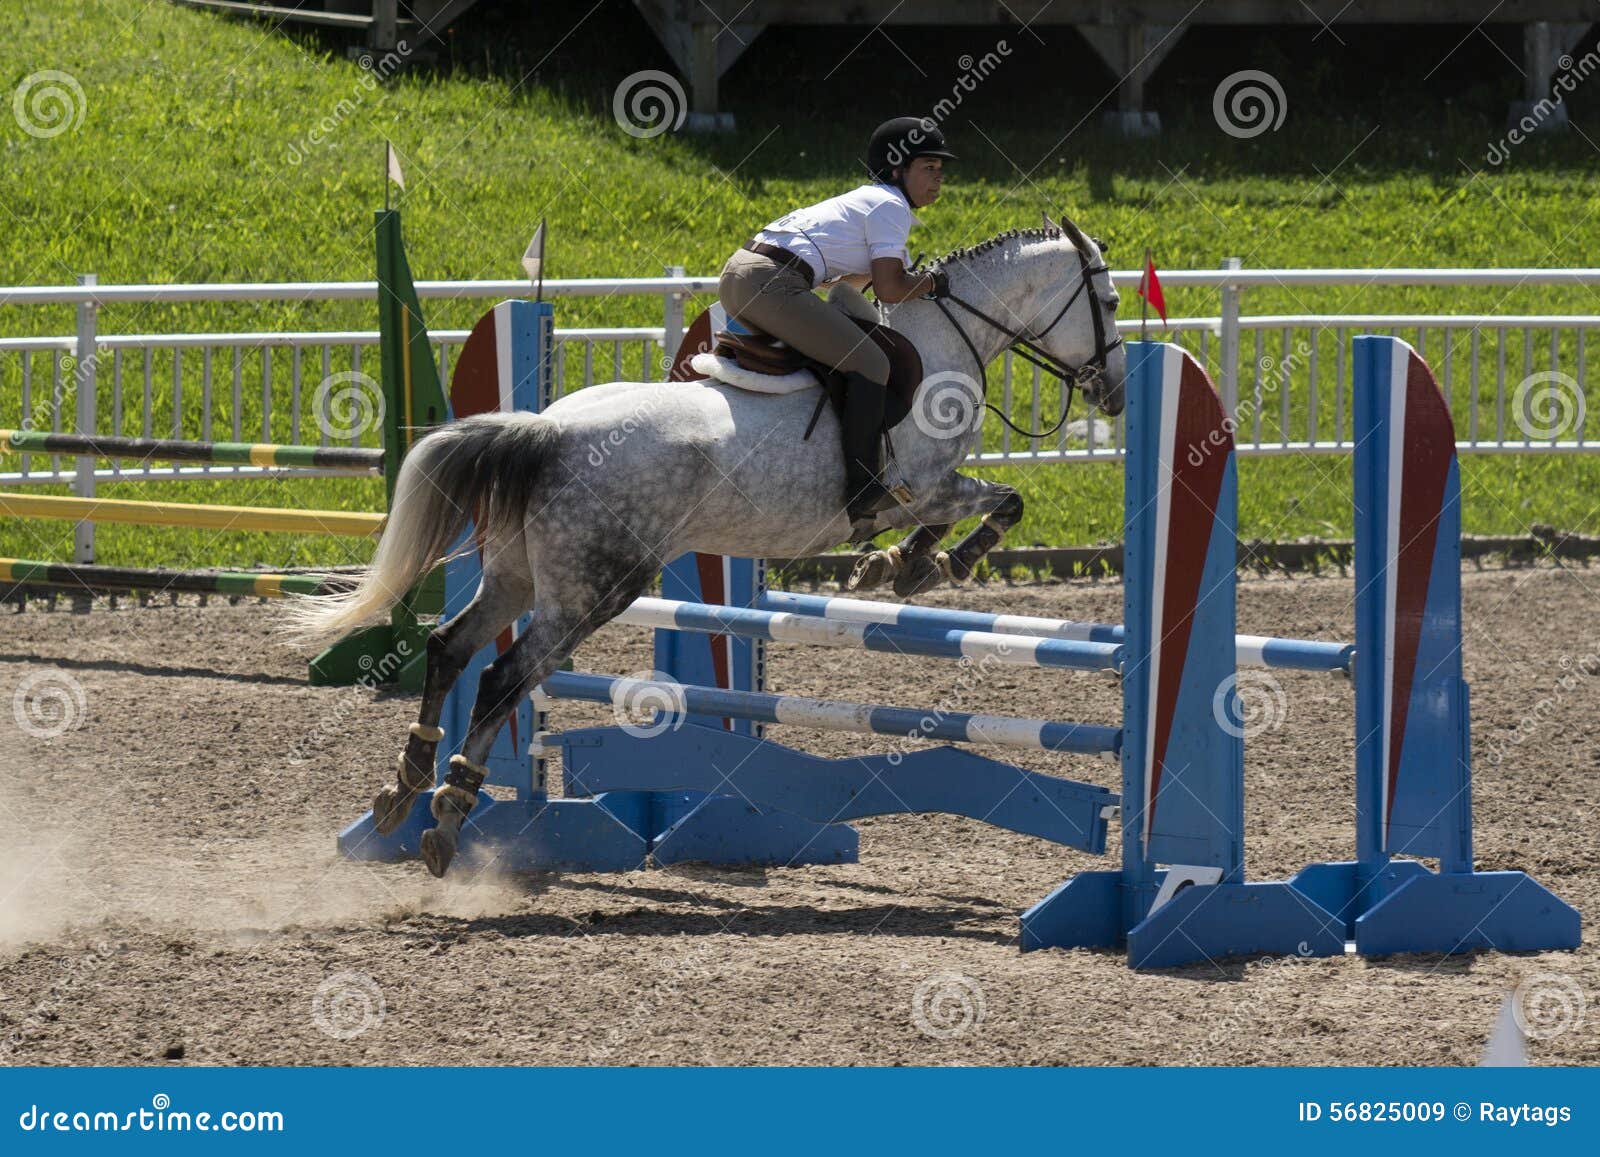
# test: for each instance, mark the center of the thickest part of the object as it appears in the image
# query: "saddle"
(762, 353)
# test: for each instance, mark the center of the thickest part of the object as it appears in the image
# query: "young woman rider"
(859, 237)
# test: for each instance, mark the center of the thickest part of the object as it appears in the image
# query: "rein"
(1073, 378)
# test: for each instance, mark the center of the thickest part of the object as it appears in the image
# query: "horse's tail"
(483, 467)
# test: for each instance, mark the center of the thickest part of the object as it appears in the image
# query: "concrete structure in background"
(705, 38)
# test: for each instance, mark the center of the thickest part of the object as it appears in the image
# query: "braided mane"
(999, 239)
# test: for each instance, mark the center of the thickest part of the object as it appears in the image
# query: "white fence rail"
(1517, 383)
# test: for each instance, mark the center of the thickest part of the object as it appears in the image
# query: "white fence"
(1283, 376)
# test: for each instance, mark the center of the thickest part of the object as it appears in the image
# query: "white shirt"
(843, 234)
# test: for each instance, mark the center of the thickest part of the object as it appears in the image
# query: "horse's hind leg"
(562, 618)
(505, 592)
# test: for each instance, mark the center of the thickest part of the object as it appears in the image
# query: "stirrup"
(868, 506)
(864, 530)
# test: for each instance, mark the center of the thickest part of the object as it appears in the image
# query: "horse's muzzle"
(1095, 386)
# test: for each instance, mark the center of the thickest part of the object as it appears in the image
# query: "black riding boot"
(865, 493)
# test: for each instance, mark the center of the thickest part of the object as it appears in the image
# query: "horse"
(577, 508)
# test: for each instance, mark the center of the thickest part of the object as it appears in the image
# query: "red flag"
(1150, 289)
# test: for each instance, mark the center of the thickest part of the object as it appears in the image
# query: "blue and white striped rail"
(682, 699)
(1252, 650)
(1010, 650)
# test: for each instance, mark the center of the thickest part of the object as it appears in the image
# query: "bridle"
(1088, 376)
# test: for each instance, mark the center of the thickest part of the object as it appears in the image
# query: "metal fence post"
(83, 375)
(671, 323)
(1228, 344)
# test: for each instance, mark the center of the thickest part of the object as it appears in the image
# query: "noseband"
(1024, 345)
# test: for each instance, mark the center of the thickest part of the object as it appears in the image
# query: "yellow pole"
(354, 523)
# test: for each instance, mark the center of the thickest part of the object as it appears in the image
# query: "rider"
(858, 237)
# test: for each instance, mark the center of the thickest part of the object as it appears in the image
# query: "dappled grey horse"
(579, 507)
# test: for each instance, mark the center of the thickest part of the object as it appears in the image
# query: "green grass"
(195, 161)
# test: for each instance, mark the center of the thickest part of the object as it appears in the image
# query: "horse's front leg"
(879, 566)
(956, 497)
(1004, 512)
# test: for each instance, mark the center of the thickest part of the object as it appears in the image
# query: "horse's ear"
(1049, 224)
(1085, 247)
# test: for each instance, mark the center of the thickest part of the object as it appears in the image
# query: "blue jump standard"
(1182, 767)
(1413, 723)
(605, 761)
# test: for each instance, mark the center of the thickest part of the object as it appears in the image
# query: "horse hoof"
(921, 574)
(873, 570)
(438, 849)
(390, 807)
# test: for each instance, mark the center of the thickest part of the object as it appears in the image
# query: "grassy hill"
(216, 150)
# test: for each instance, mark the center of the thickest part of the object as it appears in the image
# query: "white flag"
(395, 174)
(533, 259)
(1506, 1047)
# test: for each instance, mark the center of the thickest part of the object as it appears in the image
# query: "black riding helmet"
(900, 141)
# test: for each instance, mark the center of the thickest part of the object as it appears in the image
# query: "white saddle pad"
(730, 373)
